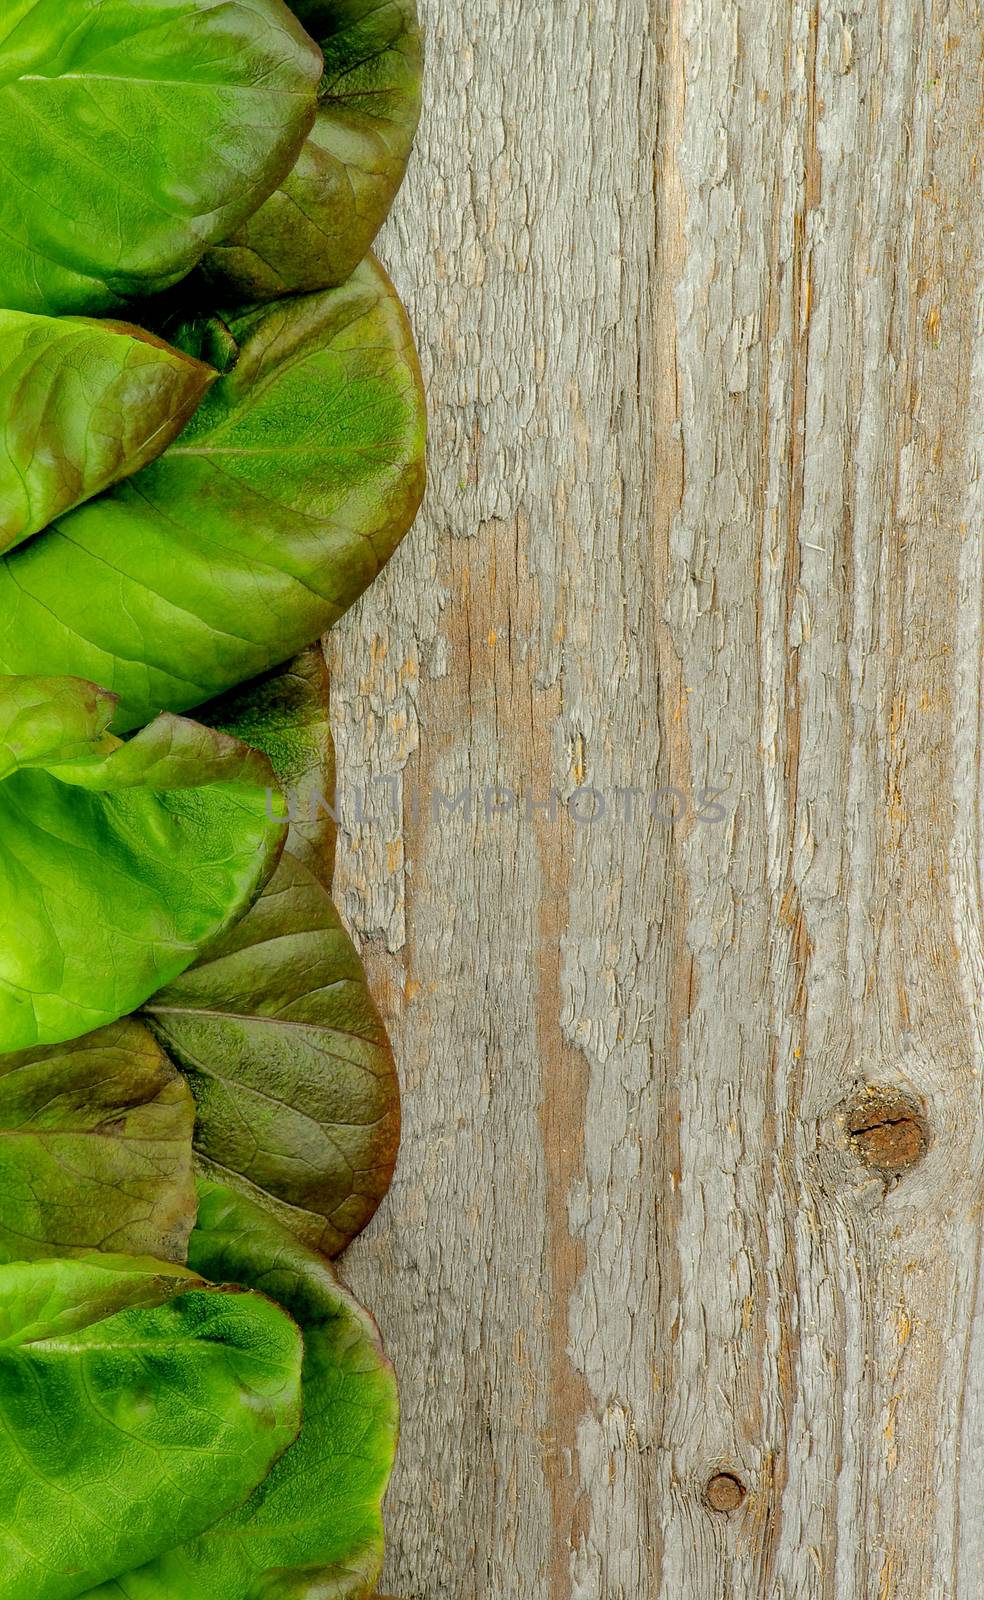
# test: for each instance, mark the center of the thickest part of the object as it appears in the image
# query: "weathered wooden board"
(699, 296)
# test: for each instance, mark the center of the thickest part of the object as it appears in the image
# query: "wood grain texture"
(699, 296)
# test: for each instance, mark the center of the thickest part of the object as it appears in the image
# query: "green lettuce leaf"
(95, 1149)
(48, 721)
(285, 713)
(84, 403)
(139, 1405)
(286, 1053)
(289, 1063)
(313, 1529)
(315, 229)
(121, 863)
(289, 489)
(136, 132)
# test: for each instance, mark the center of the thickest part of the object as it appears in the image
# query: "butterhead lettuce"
(212, 441)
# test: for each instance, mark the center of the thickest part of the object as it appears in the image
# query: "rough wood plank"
(699, 297)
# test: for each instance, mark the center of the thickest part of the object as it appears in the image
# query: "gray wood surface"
(699, 297)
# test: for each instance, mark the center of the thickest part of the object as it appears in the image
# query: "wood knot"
(887, 1131)
(724, 1492)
